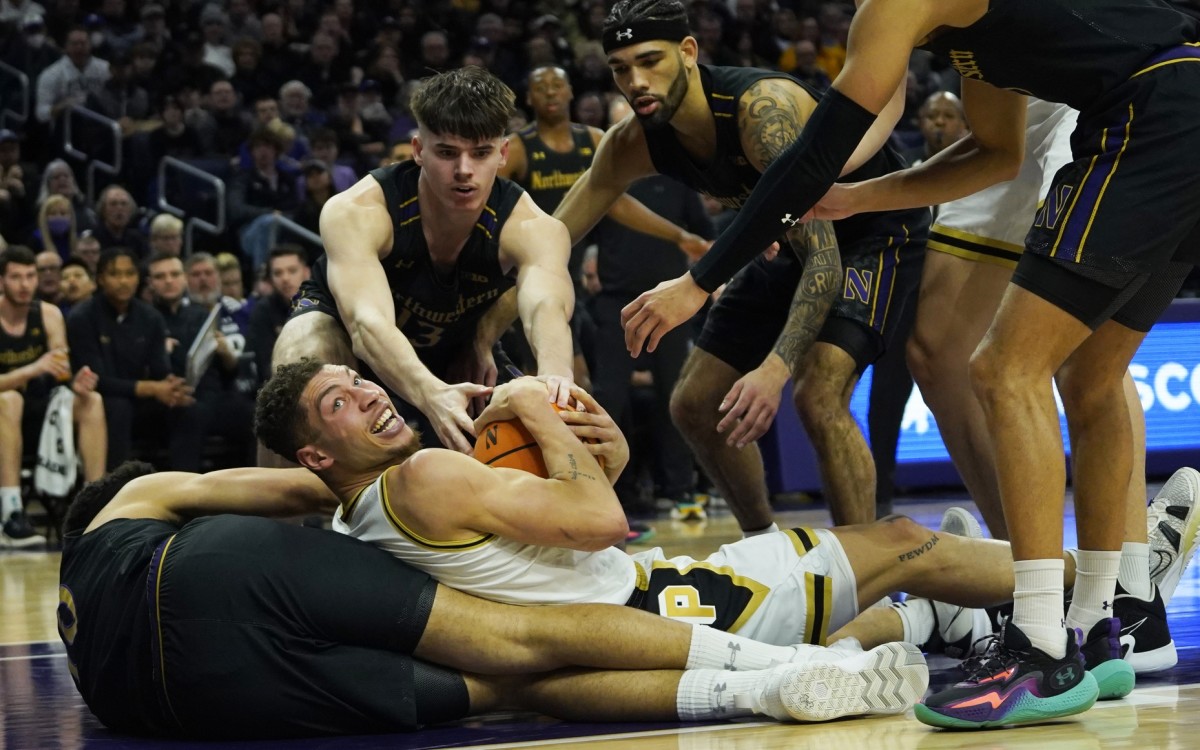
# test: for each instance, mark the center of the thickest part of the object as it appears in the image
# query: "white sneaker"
(18, 533)
(888, 679)
(1171, 525)
(960, 522)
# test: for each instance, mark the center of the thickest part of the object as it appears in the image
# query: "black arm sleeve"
(790, 186)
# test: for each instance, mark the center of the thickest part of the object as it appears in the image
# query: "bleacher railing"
(191, 221)
(284, 224)
(94, 164)
(23, 81)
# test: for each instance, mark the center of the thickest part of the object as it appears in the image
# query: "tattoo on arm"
(769, 121)
(819, 284)
(575, 472)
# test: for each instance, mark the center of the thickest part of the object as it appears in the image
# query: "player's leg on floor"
(939, 351)
(822, 398)
(737, 473)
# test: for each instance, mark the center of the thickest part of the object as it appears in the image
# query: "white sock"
(1038, 604)
(1095, 587)
(713, 649)
(1134, 573)
(916, 615)
(759, 532)
(709, 694)
(10, 502)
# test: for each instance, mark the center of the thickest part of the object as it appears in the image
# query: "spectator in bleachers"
(591, 110)
(30, 52)
(295, 108)
(710, 36)
(358, 26)
(166, 235)
(229, 269)
(121, 99)
(145, 73)
(322, 71)
(59, 179)
(942, 122)
(183, 65)
(287, 268)
(833, 18)
(56, 229)
(266, 115)
(232, 125)
(77, 284)
(258, 194)
(804, 58)
(358, 138)
(87, 249)
(49, 276)
(14, 11)
(593, 75)
(316, 187)
(279, 60)
(502, 54)
(174, 137)
(71, 78)
(382, 65)
(435, 54)
(214, 25)
(249, 78)
(120, 33)
(325, 150)
(549, 27)
(123, 340)
(18, 182)
(243, 24)
(153, 31)
(67, 15)
(33, 355)
(115, 226)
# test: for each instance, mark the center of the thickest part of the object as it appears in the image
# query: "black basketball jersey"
(104, 621)
(437, 311)
(1068, 51)
(18, 351)
(552, 173)
(730, 177)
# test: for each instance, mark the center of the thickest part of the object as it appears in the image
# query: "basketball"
(509, 445)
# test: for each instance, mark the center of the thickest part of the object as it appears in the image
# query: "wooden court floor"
(39, 707)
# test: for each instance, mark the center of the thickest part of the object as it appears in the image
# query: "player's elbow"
(606, 532)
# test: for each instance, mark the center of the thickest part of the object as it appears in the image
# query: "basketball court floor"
(39, 707)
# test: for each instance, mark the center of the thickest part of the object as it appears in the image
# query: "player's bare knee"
(12, 404)
(987, 374)
(89, 406)
(692, 407)
(1084, 389)
(922, 361)
(817, 406)
(907, 540)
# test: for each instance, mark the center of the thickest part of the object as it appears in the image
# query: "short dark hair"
(75, 260)
(95, 495)
(282, 251)
(624, 12)
(109, 256)
(323, 135)
(160, 256)
(280, 419)
(264, 135)
(468, 102)
(18, 254)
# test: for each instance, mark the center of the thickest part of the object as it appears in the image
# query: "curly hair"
(468, 102)
(624, 12)
(95, 495)
(280, 419)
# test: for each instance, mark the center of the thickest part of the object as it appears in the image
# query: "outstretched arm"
(753, 401)
(177, 496)
(621, 157)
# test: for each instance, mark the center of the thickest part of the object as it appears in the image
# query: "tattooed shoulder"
(769, 119)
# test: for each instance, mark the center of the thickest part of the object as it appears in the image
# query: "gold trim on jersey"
(817, 589)
(1156, 66)
(1107, 179)
(162, 656)
(479, 225)
(348, 508)
(803, 539)
(458, 545)
(758, 591)
(412, 218)
(975, 239)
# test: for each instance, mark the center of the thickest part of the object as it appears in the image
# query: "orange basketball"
(509, 445)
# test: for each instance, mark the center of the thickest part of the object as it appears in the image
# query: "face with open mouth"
(653, 78)
(357, 422)
(459, 171)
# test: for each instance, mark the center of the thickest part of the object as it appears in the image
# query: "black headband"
(637, 32)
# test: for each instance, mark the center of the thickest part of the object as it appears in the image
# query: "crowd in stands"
(288, 102)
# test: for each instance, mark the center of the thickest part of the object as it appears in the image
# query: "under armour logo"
(1105, 606)
(719, 690)
(1064, 676)
(625, 35)
(787, 219)
(734, 648)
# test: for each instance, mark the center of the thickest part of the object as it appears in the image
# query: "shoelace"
(994, 658)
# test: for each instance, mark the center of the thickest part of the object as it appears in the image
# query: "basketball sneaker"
(1171, 524)
(18, 533)
(1145, 638)
(688, 508)
(1102, 654)
(888, 679)
(960, 522)
(1013, 683)
(639, 533)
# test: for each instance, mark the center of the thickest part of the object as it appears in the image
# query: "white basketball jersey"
(488, 566)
